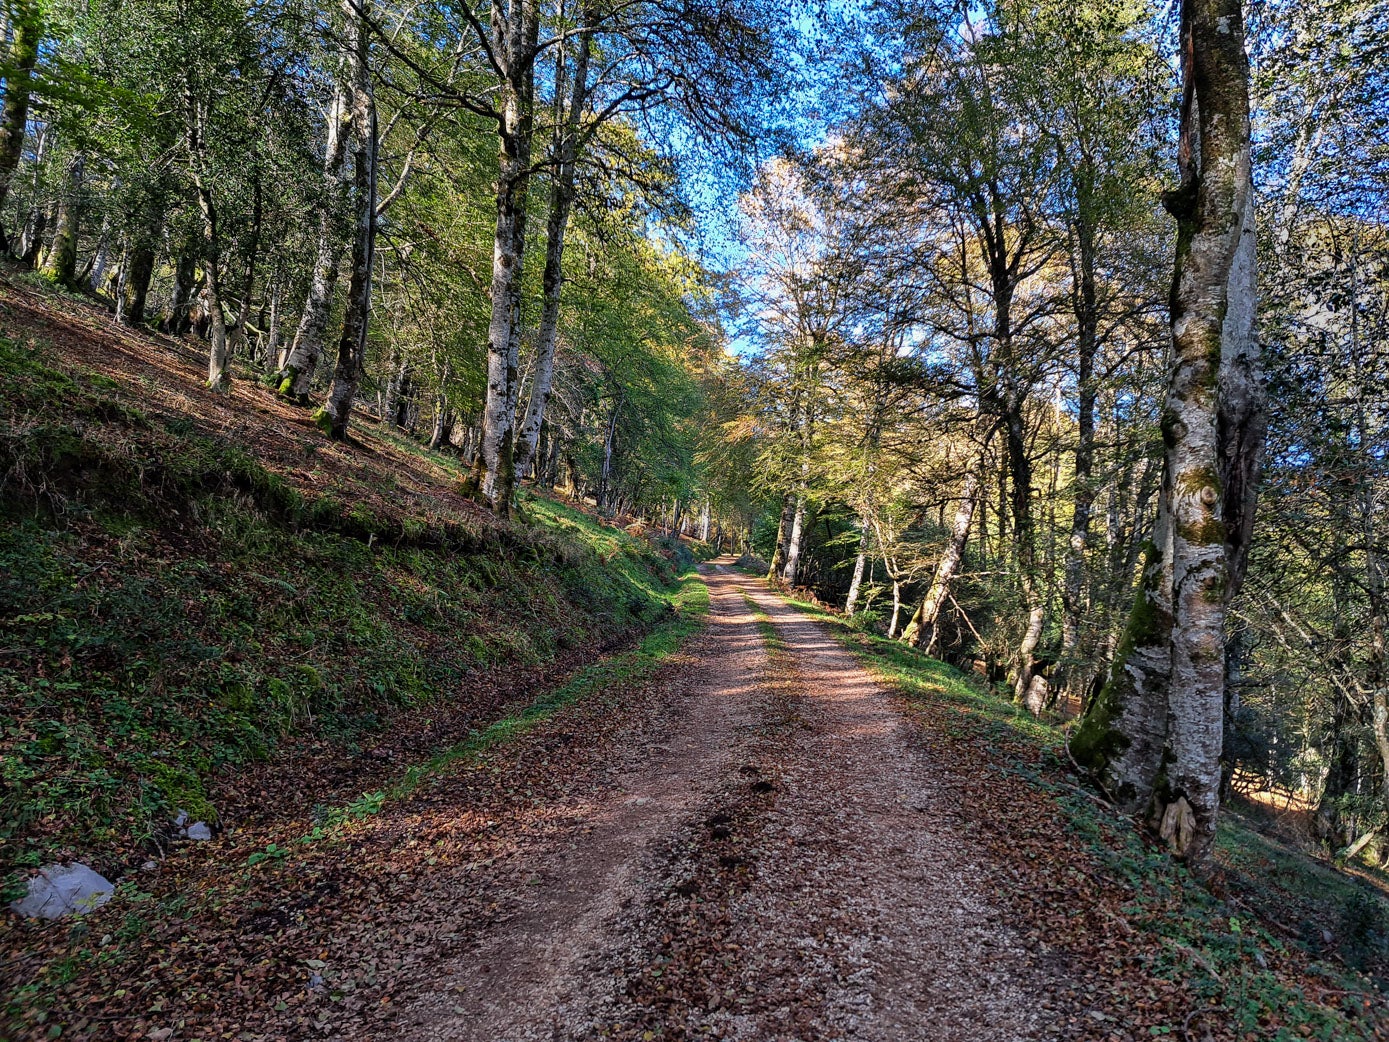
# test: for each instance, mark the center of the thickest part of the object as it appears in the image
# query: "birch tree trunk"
(921, 630)
(333, 418)
(297, 373)
(14, 116)
(561, 202)
(1154, 734)
(860, 566)
(515, 29)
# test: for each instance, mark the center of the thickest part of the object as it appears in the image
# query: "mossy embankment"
(193, 585)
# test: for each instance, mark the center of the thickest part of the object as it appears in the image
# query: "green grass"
(170, 609)
(1308, 896)
(690, 604)
(1219, 952)
(765, 626)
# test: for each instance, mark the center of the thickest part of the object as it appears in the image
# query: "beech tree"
(1154, 735)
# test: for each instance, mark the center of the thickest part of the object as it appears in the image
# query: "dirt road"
(782, 867)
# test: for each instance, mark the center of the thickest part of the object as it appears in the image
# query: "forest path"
(784, 868)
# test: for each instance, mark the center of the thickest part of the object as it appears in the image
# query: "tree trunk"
(273, 363)
(99, 268)
(794, 542)
(306, 349)
(783, 532)
(443, 420)
(921, 630)
(248, 283)
(219, 354)
(61, 264)
(1154, 735)
(14, 116)
(513, 47)
(177, 321)
(561, 201)
(1024, 539)
(336, 413)
(860, 566)
(1083, 500)
(219, 357)
(552, 463)
(135, 287)
(1333, 825)
(605, 474)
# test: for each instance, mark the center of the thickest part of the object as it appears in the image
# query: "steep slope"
(189, 581)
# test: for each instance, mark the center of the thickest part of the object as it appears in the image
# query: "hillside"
(209, 607)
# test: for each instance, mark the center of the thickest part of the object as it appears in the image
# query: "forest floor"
(771, 831)
(475, 780)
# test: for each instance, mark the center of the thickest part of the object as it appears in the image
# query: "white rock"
(180, 819)
(199, 830)
(60, 890)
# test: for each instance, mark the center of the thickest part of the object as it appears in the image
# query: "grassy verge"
(766, 627)
(1235, 968)
(690, 604)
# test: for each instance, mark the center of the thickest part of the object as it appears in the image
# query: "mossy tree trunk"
(177, 321)
(1154, 734)
(61, 264)
(135, 287)
(14, 116)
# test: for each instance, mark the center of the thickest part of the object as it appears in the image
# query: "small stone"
(180, 819)
(60, 890)
(199, 831)
(150, 866)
